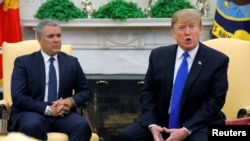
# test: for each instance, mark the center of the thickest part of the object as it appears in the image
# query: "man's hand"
(156, 132)
(61, 107)
(176, 134)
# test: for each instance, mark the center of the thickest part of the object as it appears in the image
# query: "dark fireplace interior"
(114, 105)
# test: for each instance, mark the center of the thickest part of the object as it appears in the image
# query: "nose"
(187, 30)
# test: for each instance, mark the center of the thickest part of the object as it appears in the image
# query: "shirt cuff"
(48, 111)
(151, 125)
(188, 131)
(73, 101)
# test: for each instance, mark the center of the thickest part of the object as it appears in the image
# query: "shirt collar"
(191, 53)
(47, 57)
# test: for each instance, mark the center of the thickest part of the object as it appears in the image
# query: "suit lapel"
(169, 64)
(62, 67)
(40, 66)
(198, 63)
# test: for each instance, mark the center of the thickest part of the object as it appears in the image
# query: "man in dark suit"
(32, 112)
(203, 95)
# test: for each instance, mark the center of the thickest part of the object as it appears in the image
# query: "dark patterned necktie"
(52, 90)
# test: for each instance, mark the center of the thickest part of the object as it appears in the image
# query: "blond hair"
(185, 14)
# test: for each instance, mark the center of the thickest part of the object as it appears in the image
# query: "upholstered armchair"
(9, 52)
(238, 97)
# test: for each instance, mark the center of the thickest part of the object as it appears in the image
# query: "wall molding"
(140, 22)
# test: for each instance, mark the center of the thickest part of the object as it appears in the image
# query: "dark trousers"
(37, 126)
(136, 132)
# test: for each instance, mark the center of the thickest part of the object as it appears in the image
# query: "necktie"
(177, 92)
(52, 90)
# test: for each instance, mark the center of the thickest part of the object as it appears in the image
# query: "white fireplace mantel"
(141, 33)
(105, 46)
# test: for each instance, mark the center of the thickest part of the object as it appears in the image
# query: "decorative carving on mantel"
(122, 38)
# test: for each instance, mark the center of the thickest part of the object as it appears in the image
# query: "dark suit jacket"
(28, 83)
(204, 93)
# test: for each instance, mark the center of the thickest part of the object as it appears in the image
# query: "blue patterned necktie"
(52, 90)
(177, 93)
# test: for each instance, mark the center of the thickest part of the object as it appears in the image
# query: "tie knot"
(51, 59)
(185, 54)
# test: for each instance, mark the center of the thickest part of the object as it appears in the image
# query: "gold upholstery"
(16, 136)
(10, 51)
(238, 95)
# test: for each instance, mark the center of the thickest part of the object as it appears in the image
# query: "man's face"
(50, 40)
(187, 33)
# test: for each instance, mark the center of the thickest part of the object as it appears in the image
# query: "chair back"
(238, 95)
(12, 50)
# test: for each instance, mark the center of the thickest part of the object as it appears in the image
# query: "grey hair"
(46, 22)
(185, 14)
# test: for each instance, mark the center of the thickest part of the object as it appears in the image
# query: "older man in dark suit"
(203, 94)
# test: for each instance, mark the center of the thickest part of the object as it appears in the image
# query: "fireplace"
(114, 105)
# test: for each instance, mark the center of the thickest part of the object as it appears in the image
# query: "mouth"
(56, 46)
(188, 39)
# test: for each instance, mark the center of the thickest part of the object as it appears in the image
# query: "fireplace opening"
(114, 105)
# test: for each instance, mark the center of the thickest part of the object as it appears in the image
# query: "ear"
(201, 31)
(39, 38)
(173, 33)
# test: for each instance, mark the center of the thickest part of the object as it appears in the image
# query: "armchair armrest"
(4, 103)
(243, 117)
(238, 121)
(244, 112)
(4, 116)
